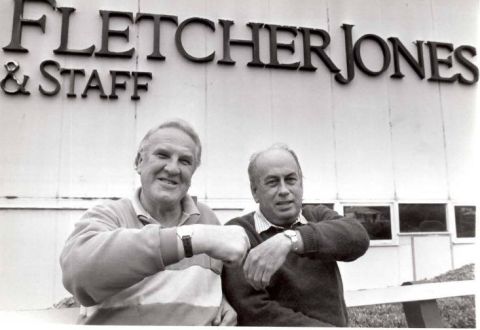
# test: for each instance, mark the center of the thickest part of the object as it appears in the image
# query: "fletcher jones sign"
(391, 51)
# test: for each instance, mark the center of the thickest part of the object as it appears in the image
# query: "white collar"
(262, 224)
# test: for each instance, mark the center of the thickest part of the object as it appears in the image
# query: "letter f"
(19, 22)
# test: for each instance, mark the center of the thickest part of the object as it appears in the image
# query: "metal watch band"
(292, 235)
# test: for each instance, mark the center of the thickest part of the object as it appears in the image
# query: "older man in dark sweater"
(290, 277)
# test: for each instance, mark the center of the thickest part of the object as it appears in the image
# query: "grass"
(457, 312)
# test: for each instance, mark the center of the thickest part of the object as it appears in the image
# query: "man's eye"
(291, 180)
(162, 155)
(271, 183)
(186, 161)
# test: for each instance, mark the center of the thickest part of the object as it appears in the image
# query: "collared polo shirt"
(188, 205)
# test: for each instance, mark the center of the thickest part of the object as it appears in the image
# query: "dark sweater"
(307, 290)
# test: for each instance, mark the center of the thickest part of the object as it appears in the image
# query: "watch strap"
(187, 246)
(292, 235)
(185, 233)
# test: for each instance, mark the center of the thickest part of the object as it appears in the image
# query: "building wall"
(374, 140)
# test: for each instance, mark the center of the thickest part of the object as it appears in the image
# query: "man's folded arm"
(330, 236)
(100, 260)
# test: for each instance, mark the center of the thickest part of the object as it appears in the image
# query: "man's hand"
(265, 259)
(226, 315)
(227, 243)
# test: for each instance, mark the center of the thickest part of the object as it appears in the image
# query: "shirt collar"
(262, 224)
(187, 203)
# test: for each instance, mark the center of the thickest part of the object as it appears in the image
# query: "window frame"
(448, 218)
(453, 223)
(394, 219)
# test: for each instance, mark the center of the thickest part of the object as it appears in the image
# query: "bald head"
(276, 149)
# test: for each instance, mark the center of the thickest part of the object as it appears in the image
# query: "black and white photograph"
(261, 163)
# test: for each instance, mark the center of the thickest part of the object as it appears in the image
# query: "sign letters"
(441, 56)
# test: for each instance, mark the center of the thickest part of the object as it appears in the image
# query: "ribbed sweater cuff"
(308, 237)
(168, 245)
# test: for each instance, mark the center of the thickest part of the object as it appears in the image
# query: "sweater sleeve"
(332, 237)
(100, 258)
(258, 308)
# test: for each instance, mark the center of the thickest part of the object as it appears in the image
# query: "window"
(375, 219)
(465, 220)
(422, 218)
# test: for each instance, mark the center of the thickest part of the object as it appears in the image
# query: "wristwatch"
(292, 235)
(185, 233)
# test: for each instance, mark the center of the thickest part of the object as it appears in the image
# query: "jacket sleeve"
(257, 308)
(332, 237)
(100, 258)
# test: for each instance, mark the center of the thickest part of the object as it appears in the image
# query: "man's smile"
(167, 181)
(284, 203)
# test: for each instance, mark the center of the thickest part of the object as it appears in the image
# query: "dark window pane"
(422, 218)
(375, 219)
(465, 221)
(329, 205)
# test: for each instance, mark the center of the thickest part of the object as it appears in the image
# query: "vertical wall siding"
(31, 242)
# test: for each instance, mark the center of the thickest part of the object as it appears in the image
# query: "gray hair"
(179, 124)
(252, 165)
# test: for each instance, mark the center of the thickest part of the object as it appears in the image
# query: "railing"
(419, 300)
(419, 304)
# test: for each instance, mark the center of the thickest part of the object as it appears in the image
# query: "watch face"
(290, 233)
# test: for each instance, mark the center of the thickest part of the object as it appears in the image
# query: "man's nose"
(172, 167)
(283, 189)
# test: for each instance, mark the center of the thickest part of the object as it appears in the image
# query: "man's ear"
(253, 189)
(138, 161)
